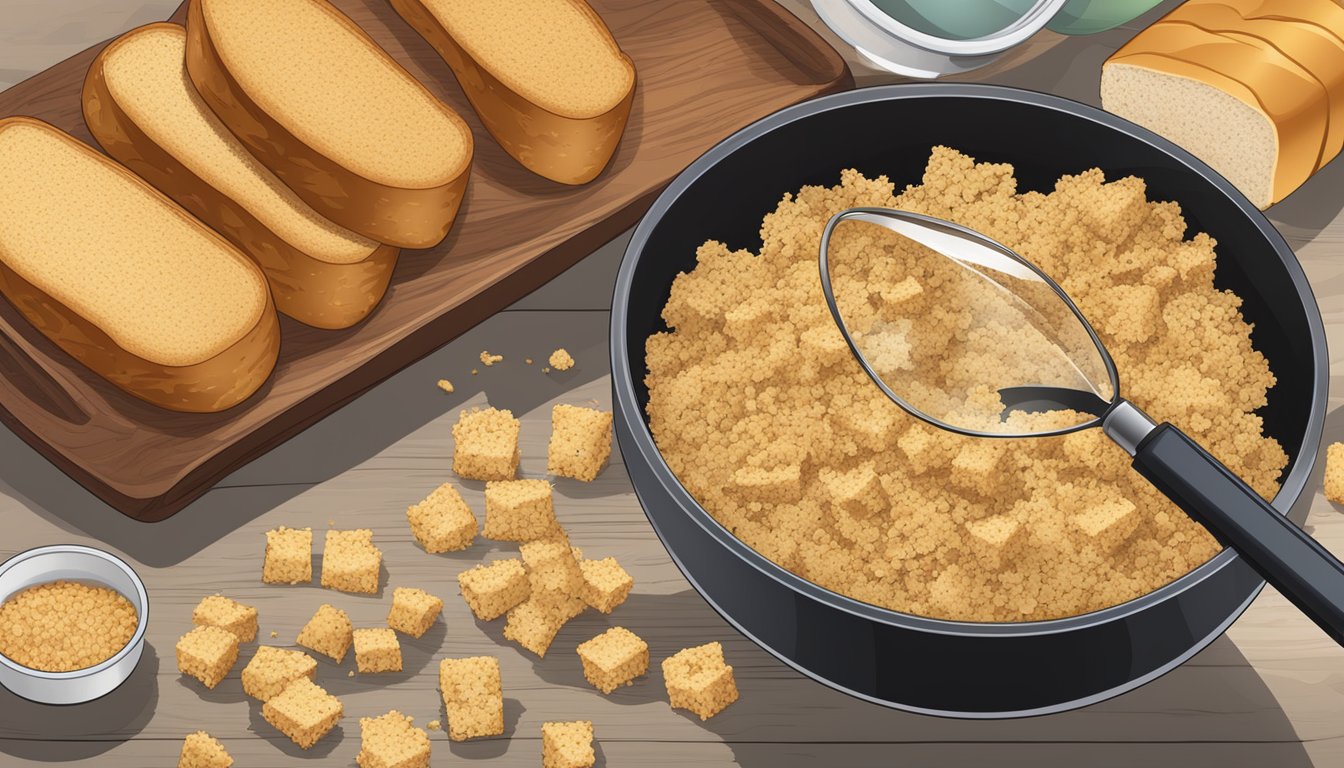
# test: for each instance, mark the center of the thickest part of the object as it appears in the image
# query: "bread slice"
(124, 280)
(1259, 99)
(329, 112)
(144, 111)
(546, 77)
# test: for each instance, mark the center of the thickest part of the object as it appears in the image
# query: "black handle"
(1300, 568)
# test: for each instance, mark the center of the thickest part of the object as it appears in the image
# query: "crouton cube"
(567, 745)
(201, 750)
(857, 491)
(534, 623)
(491, 590)
(207, 654)
(220, 611)
(413, 611)
(580, 442)
(920, 448)
(605, 583)
(350, 561)
(303, 711)
(976, 465)
(289, 556)
(392, 741)
(775, 485)
(996, 538)
(472, 697)
(614, 658)
(442, 522)
(377, 650)
(1107, 524)
(271, 669)
(551, 567)
(486, 445)
(699, 680)
(1334, 473)
(906, 297)
(329, 633)
(518, 510)
(561, 360)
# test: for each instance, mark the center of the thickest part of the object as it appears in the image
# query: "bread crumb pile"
(62, 626)
(760, 410)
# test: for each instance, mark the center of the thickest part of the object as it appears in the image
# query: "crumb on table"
(488, 359)
(561, 360)
(445, 385)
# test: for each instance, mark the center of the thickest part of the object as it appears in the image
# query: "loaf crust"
(569, 150)
(310, 290)
(206, 387)
(1283, 59)
(410, 218)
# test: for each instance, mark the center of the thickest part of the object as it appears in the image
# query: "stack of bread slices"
(272, 157)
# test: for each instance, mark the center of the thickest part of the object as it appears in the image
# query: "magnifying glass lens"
(963, 334)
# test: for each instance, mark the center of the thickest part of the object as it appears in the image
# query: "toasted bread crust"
(410, 218)
(212, 385)
(312, 291)
(565, 149)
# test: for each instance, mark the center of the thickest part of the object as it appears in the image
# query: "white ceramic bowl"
(75, 563)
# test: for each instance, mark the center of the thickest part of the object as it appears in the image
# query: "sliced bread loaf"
(546, 77)
(124, 280)
(1255, 92)
(142, 108)
(329, 112)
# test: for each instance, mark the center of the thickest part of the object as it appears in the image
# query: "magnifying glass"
(997, 350)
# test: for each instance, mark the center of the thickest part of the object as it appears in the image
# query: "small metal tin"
(73, 562)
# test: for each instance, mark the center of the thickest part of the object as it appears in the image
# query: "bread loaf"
(126, 281)
(545, 76)
(330, 113)
(144, 111)
(1252, 87)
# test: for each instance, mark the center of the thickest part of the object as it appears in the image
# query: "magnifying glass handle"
(1296, 564)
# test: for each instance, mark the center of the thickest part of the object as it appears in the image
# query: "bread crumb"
(433, 725)
(274, 634)
(489, 359)
(527, 360)
(545, 370)
(62, 626)
(561, 360)
(446, 385)
(763, 415)
(474, 371)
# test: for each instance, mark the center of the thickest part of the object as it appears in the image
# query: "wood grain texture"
(706, 68)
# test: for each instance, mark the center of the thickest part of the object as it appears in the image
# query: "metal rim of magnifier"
(874, 216)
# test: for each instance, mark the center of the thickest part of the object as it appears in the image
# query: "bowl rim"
(141, 623)
(622, 382)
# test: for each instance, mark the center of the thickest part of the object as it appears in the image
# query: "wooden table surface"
(1269, 693)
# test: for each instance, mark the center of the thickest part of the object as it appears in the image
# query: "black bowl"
(910, 662)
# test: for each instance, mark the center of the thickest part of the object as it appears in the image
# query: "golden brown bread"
(142, 109)
(546, 77)
(126, 281)
(1254, 88)
(331, 114)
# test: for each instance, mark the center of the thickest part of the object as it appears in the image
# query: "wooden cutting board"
(705, 69)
